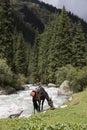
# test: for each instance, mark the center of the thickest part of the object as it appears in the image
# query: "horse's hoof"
(52, 108)
(44, 111)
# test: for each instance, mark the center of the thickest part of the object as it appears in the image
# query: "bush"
(62, 73)
(8, 79)
(76, 76)
(5, 73)
(18, 80)
(82, 79)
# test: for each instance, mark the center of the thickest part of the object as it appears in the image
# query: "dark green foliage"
(20, 59)
(8, 79)
(59, 52)
(26, 29)
(6, 30)
(43, 55)
(33, 63)
(62, 43)
(79, 47)
(5, 73)
(6, 45)
(75, 76)
(55, 46)
(30, 16)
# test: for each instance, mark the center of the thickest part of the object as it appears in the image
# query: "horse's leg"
(42, 105)
(34, 108)
(39, 105)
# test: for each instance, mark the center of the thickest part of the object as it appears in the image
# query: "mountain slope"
(31, 16)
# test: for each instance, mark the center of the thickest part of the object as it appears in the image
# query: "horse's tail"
(35, 104)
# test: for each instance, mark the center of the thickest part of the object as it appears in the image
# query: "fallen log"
(15, 115)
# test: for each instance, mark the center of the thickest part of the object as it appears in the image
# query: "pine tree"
(63, 43)
(33, 66)
(52, 53)
(44, 45)
(60, 44)
(79, 47)
(55, 46)
(6, 30)
(20, 60)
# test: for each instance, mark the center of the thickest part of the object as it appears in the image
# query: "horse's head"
(50, 103)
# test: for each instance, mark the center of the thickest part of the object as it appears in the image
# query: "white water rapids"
(14, 103)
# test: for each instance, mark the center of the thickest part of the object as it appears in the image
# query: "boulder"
(7, 91)
(63, 106)
(65, 86)
(11, 90)
(51, 85)
(3, 92)
(64, 89)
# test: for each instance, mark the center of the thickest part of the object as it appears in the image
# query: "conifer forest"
(40, 43)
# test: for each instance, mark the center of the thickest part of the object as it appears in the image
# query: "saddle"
(38, 91)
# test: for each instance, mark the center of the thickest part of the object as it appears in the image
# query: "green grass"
(73, 117)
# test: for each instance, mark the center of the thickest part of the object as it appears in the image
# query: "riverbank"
(10, 90)
(73, 117)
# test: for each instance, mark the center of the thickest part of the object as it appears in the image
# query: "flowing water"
(14, 103)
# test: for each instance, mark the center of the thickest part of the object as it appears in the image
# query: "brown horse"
(38, 99)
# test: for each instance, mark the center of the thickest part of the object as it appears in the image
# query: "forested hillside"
(41, 43)
(31, 17)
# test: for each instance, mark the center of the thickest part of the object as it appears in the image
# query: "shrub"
(8, 79)
(19, 79)
(5, 73)
(61, 74)
(76, 76)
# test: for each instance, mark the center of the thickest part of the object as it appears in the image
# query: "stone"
(63, 106)
(51, 85)
(64, 89)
